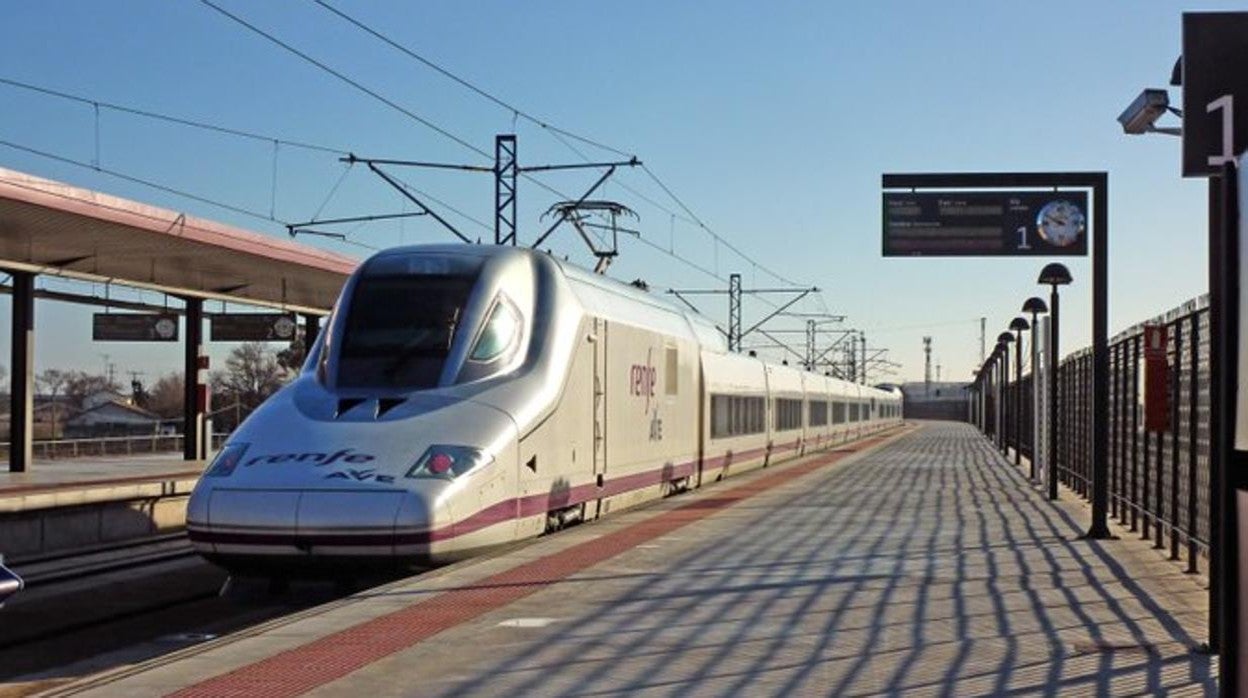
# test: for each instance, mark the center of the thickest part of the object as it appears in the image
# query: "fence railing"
(109, 446)
(1158, 480)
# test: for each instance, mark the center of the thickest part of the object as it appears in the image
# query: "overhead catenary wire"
(516, 111)
(156, 185)
(559, 134)
(139, 180)
(158, 116)
(344, 78)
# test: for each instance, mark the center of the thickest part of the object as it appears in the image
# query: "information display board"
(134, 327)
(251, 327)
(985, 224)
(1215, 128)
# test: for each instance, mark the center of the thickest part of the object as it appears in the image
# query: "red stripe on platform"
(301, 669)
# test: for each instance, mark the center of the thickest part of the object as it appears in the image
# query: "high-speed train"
(462, 397)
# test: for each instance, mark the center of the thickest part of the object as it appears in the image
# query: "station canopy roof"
(50, 227)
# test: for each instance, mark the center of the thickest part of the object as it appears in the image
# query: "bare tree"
(166, 396)
(79, 386)
(52, 381)
(252, 373)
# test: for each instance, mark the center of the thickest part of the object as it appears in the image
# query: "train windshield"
(402, 321)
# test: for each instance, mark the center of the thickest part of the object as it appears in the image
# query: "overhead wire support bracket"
(632, 162)
(293, 228)
(800, 295)
(735, 292)
(352, 158)
(412, 197)
(296, 230)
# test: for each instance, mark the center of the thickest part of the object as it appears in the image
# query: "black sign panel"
(134, 327)
(1215, 90)
(985, 224)
(252, 327)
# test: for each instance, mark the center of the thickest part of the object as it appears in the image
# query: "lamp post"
(1035, 306)
(996, 395)
(1018, 324)
(1004, 340)
(990, 395)
(1054, 275)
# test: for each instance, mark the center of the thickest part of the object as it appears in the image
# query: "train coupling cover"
(10, 583)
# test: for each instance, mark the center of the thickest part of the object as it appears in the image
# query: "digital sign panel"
(985, 224)
(134, 327)
(252, 327)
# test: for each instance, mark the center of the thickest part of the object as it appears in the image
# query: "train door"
(600, 408)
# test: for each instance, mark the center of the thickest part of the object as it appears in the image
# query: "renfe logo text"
(317, 459)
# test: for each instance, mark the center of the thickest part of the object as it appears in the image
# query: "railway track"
(46, 570)
(94, 609)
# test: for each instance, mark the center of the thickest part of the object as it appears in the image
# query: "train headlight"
(447, 462)
(227, 460)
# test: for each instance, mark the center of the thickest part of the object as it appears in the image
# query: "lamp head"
(1055, 274)
(1019, 324)
(1005, 338)
(1035, 306)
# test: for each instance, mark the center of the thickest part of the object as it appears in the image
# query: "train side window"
(818, 413)
(838, 412)
(672, 376)
(788, 414)
(719, 416)
(737, 415)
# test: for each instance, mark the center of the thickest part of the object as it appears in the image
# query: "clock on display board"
(1061, 223)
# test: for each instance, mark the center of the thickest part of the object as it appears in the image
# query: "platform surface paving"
(925, 565)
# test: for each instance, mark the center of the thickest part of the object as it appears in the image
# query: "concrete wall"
(56, 521)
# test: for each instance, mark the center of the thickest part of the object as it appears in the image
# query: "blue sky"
(772, 121)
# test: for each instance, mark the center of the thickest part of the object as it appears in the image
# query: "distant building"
(103, 397)
(938, 400)
(111, 418)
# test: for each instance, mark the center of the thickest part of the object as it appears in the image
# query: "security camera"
(1144, 112)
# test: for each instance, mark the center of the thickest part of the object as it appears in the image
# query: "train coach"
(463, 397)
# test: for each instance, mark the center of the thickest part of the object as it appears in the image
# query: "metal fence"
(109, 446)
(1158, 480)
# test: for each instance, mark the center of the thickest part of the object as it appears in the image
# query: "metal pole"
(1018, 397)
(1005, 401)
(192, 416)
(1175, 373)
(1035, 398)
(1232, 463)
(311, 330)
(1216, 405)
(734, 312)
(863, 337)
(1100, 358)
(22, 384)
(1193, 430)
(1053, 346)
(506, 168)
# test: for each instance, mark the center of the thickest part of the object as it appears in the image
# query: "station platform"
(916, 563)
(72, 481)
(70, 505)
